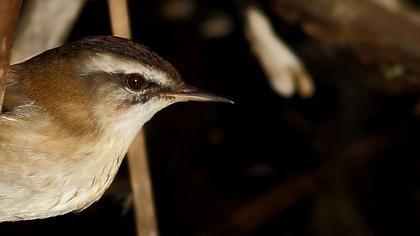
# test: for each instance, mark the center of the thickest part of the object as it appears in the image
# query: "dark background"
(354, 144)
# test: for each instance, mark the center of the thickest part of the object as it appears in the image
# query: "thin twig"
(142, 188)
(137, 156)
(120, 21)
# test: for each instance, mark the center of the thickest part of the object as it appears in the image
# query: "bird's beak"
(189, 93)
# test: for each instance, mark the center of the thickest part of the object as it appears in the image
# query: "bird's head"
(104, 82)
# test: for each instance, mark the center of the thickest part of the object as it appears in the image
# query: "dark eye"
(135, 82)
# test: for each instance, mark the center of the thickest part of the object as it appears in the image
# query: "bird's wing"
(15, 100)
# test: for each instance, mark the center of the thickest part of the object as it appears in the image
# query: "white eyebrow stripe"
(106, 63)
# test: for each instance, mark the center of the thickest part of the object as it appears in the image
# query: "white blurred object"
(285, 72)
(44, 24)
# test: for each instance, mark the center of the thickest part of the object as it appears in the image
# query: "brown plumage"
(68, 118)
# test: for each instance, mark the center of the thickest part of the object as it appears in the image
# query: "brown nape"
(69, 105)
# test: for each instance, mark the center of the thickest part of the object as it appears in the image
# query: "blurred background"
(344, 161)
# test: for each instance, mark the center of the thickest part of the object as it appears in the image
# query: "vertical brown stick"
(142, 187)
(120, 21)
(9, 12)
(137, 157)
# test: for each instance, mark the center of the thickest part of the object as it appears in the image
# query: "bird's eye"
(135, 82)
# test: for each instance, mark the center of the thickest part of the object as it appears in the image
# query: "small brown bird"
(68, 118)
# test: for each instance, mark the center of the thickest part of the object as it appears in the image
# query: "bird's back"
(43, 170)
